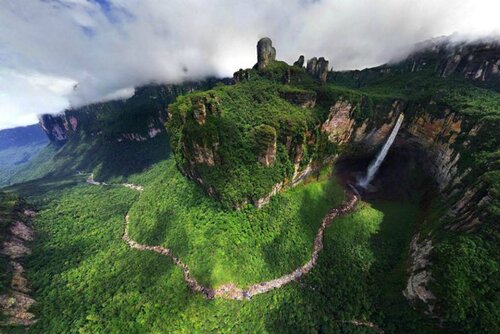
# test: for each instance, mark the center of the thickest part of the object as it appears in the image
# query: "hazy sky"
(106, 47)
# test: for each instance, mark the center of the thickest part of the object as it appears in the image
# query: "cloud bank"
(60, 53)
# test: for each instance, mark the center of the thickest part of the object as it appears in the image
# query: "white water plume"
(375, 164)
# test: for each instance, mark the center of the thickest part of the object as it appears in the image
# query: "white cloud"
(106, 47)
(24, 95)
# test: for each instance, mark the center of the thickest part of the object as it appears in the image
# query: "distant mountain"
(111, 139)
(478, 62)
(18, 146)
(22, 136)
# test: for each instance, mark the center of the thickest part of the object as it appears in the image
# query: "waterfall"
(375, 164)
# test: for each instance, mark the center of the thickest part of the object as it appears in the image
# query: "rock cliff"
(476, 61)
(137, 119)
(55, 126)
(438, 130)
(15, 246)
(266, 53)
(318, 68)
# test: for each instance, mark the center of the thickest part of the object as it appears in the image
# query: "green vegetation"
(240, 121)
(97, 145)
(18, 146)
(246, 246)
(245, 110)
(87, 280)
(465, 266)
(467, 273)
(79, 252)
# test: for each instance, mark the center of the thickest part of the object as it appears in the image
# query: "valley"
(100, 258)
(243, 205)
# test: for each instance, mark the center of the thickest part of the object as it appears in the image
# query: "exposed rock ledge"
(420, 276)
(14, 304)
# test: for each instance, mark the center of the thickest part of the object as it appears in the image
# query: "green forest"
(88, 280)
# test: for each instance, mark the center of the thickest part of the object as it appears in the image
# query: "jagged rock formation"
(338, 126)
(299, 62)
(478, 61)
(55, 126)
(432, 129)
(266, 53)
(265, 137)
(435, 136)
(318, 68)
(241, 75)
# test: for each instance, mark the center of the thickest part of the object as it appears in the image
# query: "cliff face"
(56, 128)
(443, 137)
(137, 119)
(478, 62)
(15, 246)
(334, 120)
(448, 143)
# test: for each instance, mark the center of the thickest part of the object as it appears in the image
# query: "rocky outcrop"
(338, 127)
(258, 203)
(479, 62)
(417, 289)
(138, 118)
(265, 137)
(268, 157)
(439, 134)
(55, 126)
(241, 75)
(204, 154)
(318, 68)
(434, 133)
(475, 61)
(266, 53)
(299, 62)
(301, 99)
(16, 302)
(468, 210)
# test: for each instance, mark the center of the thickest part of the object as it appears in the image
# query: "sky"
(57, 54)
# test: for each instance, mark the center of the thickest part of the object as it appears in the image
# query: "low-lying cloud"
(60, 53)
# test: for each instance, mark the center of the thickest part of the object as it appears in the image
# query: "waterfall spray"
(375, 164)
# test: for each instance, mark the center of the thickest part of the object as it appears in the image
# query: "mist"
(56, 54)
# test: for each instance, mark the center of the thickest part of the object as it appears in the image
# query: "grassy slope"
(87, 280)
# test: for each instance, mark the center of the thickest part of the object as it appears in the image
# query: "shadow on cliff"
(314, 302)
(283, 256)
(114, 159)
